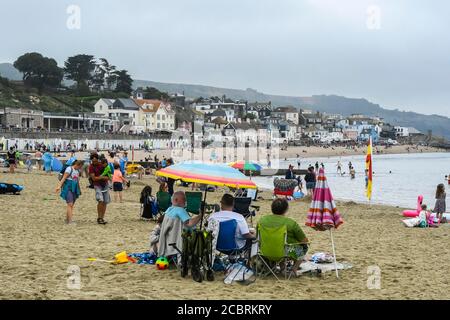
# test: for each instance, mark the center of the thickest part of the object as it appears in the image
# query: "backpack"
(63, 170)
(68, 163)
(149, 208)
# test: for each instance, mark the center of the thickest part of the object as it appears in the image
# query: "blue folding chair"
(226, 241)
(226, 244)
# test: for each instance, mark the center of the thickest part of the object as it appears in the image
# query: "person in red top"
(101, 187)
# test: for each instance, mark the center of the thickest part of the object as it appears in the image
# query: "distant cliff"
(440, 125)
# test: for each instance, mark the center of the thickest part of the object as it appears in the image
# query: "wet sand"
(290, 153)
(37, 249)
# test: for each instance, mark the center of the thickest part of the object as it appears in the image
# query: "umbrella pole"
(203, 207)
(334, 254)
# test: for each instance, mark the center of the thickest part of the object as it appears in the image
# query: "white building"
(125, 111)
(155, 115)
(401, 131)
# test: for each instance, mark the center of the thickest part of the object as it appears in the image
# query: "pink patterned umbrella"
(323, 214)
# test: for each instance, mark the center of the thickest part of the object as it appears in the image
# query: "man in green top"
(295, 235)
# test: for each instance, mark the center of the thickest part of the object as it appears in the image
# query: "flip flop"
(101, 221)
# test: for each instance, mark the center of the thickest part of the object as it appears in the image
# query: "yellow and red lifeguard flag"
(369, 169)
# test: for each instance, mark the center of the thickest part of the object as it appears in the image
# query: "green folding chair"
(272, 250)
(164, 201)
(194, 202)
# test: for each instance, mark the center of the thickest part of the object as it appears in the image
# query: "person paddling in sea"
(352, 173)
(339, 167)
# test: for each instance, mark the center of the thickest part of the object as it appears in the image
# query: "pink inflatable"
(414, 213)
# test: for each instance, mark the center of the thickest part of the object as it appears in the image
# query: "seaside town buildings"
(212, 119)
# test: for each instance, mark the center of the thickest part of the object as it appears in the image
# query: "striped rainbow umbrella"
(245, 165)
(207, 173)
(323, 214)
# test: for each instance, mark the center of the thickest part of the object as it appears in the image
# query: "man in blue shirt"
(177, 210)
(175, 219)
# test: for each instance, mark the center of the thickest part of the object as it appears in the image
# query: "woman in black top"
(11, 159)
(310, 179)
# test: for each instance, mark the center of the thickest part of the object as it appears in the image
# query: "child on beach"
(28, 164)
(118, 179)
(423, 217)
(69, 188)
(154, 236)
(423, 220)
(440, 205)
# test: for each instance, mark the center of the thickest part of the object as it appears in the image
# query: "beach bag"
(298, 195)
(422, 224)
(238, 272)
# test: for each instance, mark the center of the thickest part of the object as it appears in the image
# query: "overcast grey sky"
(289, 47)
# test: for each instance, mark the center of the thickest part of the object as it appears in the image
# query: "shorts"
(117, 186)
(11, 162)
(296, 251)
(70, 197)
(310, 185)
(102, 194)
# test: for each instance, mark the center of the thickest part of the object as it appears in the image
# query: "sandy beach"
(37, 249)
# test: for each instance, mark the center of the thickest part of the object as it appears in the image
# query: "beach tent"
(56, 164)
(323, 214)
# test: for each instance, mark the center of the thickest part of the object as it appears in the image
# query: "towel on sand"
(309, 266)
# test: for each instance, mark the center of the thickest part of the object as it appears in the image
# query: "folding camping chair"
(164, 200)
(244, 207)
(226, 242)
(194, 201)
(273, 250)
(196, 255)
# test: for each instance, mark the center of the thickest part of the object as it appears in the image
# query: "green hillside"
(14, 94)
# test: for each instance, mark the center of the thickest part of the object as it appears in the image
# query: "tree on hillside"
(153, 93)
(104, 76)
(39, 71)
(110, 73)
(124, 82)
(79, 68)
(199, 100)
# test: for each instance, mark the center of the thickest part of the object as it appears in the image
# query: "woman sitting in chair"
(296, 239)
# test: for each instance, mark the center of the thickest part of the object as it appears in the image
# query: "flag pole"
(334, 254)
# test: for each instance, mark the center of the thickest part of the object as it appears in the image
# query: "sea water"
(397, 179)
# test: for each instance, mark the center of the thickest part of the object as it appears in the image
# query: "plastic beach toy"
(162, 263)
(121, 257)
(414, 213)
